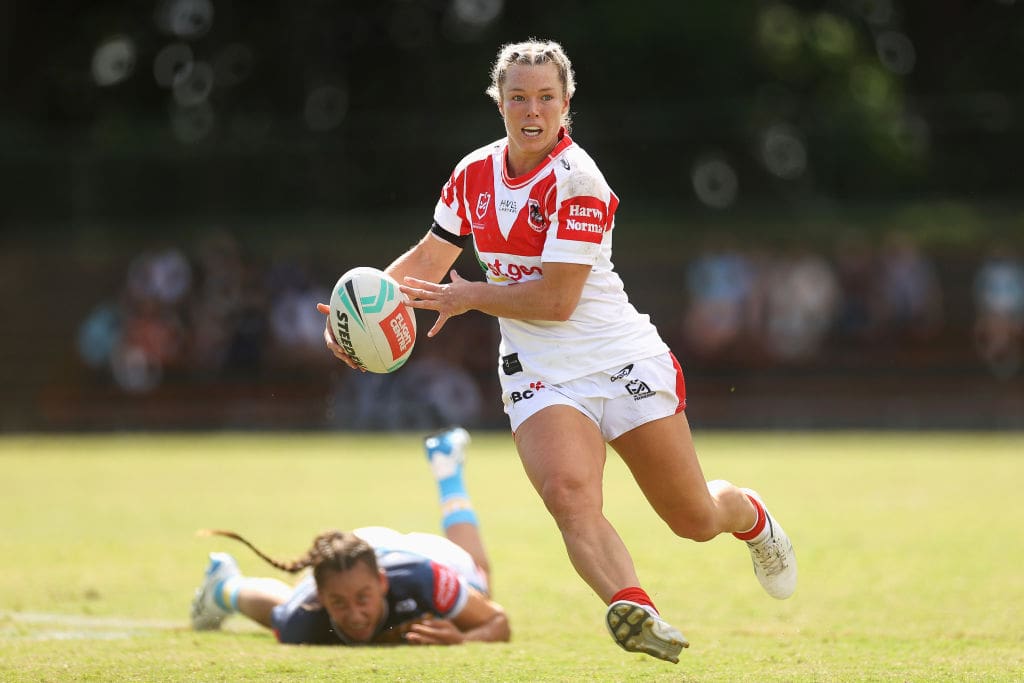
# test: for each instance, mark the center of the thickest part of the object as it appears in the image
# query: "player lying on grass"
(373, 585)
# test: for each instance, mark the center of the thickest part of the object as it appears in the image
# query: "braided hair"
(332, 552)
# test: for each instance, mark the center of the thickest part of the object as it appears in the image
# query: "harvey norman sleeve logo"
(582, 219)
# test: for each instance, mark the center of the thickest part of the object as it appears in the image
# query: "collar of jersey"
(563, 142)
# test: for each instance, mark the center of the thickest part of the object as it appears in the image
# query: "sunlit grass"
(910, 558)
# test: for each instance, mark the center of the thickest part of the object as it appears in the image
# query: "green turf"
(911, 559)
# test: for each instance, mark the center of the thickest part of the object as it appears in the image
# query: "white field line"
(48, 626)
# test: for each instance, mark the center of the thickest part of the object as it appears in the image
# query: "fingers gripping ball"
(370, 320)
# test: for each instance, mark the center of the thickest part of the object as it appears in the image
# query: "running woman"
(373, 585)
(579, 366)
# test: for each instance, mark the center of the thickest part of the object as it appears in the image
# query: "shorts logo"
(517, 396)
(483, 201)
(622, 373)
(638, 389)
(535, 216)
(510, 364)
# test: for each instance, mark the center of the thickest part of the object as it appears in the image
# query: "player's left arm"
(551, 297)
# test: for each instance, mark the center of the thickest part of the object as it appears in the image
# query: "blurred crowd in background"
(810, 191)
(211, 313)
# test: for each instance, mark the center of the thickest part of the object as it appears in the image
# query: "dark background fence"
(821, 203)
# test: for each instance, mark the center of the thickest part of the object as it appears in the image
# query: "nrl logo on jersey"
(535, 216)
(483, 201)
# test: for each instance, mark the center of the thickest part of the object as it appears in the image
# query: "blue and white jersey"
(417, 585)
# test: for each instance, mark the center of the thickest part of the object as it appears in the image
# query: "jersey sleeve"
(449, 591)
(582, 209)
(450, 211)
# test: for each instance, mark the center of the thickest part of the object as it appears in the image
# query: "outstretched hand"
(332, 343)
(448, 300)
(430, 631)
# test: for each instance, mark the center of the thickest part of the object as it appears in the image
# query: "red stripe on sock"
(758, 525)
(634, 594)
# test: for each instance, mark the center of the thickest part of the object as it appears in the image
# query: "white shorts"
(617, 399)
(431, 546)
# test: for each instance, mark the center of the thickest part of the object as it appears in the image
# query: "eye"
(548, 98)
(518, 98)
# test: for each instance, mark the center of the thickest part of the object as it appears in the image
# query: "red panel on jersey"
(446, 587)
(583, 219)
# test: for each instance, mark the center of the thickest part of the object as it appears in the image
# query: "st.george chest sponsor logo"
(511, 271)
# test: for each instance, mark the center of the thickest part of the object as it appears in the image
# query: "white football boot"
(773, 557)
(207, 615)
(446, 452)
(637, 628)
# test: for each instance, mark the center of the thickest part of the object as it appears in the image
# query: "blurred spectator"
(719, 284)
(296, 327)
(217, 306)
(801, 302)
(860, 311)
(98, 335)
(911, 295)
(429, 393)
(999, 312)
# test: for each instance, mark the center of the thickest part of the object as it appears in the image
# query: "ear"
(383, 581)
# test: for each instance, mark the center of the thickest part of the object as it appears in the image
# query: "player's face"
(532, 104)
(355, 600)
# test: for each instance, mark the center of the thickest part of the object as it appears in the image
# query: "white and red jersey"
(563, 211)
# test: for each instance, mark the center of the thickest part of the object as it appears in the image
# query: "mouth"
(358, 633)
(532, 131)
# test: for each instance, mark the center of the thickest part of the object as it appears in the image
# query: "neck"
(522, 166)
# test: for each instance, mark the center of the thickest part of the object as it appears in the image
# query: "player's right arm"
(428, 260)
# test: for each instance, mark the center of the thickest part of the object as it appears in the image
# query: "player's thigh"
(663, 460)
(563, 452)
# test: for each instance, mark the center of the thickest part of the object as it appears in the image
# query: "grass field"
(911, 559)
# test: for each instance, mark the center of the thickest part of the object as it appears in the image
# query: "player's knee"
(567, 498)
